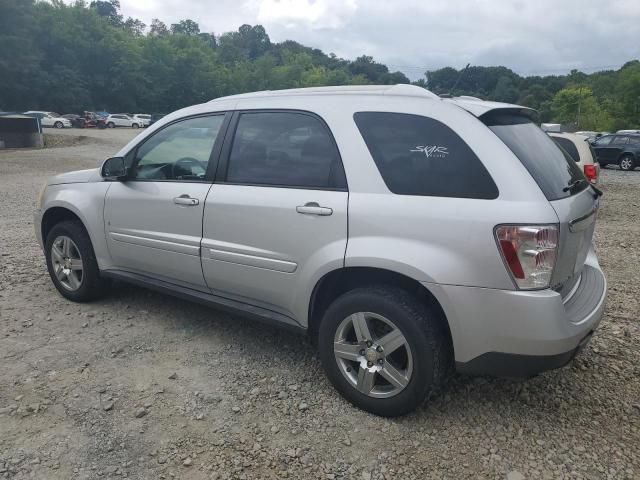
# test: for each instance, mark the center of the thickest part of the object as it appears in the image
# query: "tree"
(577, 105)
(187, 27)
(109, 9)
(158, 28)
(135, 26)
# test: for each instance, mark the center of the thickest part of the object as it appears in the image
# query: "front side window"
(602, 141)
(417, 155)
(180, 151)
(283, 149)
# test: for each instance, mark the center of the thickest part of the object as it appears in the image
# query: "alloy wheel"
(67, 263)
(626, 163)
(373, 354)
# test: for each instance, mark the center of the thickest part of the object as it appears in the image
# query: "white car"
(143, 118)
(50, 119)
(122, 120)
(580, 150)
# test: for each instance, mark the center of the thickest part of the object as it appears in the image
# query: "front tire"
(384, 350)
(627, 163)
(135, 125)
(58, 125)
(71, 262)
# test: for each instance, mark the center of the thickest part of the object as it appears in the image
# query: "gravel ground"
(141, 385)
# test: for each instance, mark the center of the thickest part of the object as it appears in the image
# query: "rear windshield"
(568, 146)
(555, 172)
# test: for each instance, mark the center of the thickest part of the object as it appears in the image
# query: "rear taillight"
(529, 252)
(591, 173)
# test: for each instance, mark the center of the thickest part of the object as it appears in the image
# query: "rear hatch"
(563, 184)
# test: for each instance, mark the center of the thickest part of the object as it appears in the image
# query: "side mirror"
(114, 168)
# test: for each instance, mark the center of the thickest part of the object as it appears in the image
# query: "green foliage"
(601, 101)
(70, 57)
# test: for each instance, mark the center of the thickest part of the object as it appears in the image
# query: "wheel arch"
(54, 215)
(342, 280)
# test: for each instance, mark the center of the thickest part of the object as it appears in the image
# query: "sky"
(532, 37)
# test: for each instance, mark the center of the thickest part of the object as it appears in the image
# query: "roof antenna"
(464, 70)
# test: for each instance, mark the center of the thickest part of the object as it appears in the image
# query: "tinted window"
(418, 155)
(568, 146)
(602, 141)
(283, 149)
(634, 139)
(180, 151)
(551, 167)
(620, 140)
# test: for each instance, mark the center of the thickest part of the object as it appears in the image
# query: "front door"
(278, 214)
(605, 149)
(153, 220)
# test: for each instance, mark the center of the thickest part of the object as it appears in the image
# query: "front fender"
(86, 201)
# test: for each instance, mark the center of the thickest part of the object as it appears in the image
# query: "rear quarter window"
(568, 146)
(418, 155)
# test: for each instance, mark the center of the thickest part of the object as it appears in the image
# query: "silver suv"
(408, 235)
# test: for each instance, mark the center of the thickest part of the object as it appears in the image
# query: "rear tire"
(627, 163)
(111, 125)
(424, 358)
(72, 263)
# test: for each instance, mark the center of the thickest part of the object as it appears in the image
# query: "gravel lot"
(141, 385)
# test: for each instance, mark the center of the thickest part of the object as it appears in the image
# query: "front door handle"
(186, 200)
(313, 208)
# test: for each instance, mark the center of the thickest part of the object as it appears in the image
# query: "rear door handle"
(313, 208)
(186, 200)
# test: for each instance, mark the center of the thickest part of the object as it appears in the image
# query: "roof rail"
(395, 90)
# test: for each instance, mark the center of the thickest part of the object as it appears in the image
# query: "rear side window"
(620, 140)
(568, 146)
(417, 155)
(286, 149)
(552, 168)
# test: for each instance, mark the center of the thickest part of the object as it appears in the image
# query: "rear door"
(563, 184)
(277, 212)
(153, 220)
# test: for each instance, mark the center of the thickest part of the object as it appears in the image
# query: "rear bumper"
(512, 365)
(521, 333)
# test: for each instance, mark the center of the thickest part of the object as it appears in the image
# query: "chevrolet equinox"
(407, 234)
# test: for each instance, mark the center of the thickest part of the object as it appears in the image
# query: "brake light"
(591, 173)
(529, 252)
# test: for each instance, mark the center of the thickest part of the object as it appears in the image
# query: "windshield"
(553, 169)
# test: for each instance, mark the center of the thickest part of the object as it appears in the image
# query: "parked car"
(50, 119)
(143, 119)
(121, 120)
(581, 151)
(628, 131)
(155, 117)
(452, 255)
(77, 121)
(621, 150)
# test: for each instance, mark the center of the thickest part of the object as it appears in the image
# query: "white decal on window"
(432, 150)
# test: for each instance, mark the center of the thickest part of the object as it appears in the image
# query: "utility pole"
(579, 106)
(459, 77)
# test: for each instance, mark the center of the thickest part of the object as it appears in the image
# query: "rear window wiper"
(574, 184)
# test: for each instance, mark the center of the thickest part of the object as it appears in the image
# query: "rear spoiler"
(484, 109)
